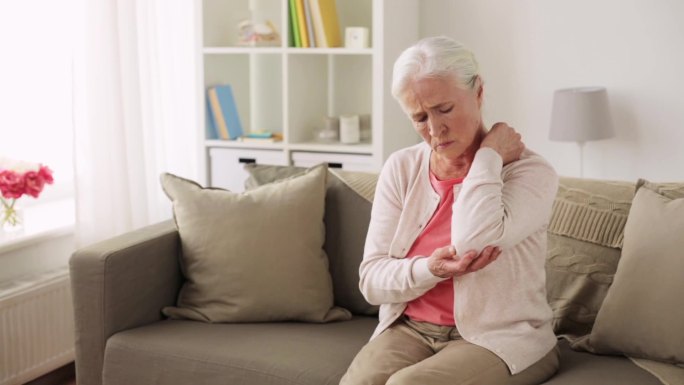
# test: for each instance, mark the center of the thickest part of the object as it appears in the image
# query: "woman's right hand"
(503, 139)
(446, 263)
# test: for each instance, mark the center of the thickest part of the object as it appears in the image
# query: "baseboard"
(57, 377)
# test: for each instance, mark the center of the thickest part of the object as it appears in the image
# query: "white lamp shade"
(580, 115)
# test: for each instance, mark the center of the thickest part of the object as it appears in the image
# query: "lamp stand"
(581, 148)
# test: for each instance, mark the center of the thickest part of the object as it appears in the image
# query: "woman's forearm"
(393, 280)
(491, 211)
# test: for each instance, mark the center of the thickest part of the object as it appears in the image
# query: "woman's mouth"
(443, 145)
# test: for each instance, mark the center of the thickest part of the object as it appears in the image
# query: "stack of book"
(314, 23)
(224, 121)
(262, 137)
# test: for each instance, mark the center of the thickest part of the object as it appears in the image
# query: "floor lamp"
(580, 115)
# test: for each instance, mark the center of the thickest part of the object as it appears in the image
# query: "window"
(37, 42)
(37, 37)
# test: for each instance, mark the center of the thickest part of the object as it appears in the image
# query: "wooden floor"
(66, 375)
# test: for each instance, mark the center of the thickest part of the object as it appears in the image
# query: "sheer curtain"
(135, 109)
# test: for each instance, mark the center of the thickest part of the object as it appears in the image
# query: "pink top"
(436, 305)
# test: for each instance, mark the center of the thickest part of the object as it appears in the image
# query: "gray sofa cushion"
(188, 352)
(580, 368)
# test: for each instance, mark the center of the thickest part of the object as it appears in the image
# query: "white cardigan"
(502, 307)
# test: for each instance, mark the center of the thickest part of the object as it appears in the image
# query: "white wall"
(529, 48)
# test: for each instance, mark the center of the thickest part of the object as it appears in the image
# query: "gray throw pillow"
(253, 256)
(643, 313)
(347, 216)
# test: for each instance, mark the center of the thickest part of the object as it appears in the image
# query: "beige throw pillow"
(643, 313)
(253, 256)
(584, 237)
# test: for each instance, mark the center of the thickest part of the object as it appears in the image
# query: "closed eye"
(446, 110)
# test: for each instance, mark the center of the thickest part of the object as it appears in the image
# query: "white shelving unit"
(291, 90)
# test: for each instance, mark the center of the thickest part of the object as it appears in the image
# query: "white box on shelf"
(350, 132)
(356, 37)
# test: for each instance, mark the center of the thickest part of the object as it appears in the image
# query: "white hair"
(438, 56)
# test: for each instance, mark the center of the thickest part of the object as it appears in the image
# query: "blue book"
(211, 127)
(224, 111)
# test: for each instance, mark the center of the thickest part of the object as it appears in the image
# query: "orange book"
(331, 22)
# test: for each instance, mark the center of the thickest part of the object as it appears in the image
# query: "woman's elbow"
(373, 300)
(494, 236)
(368, 293)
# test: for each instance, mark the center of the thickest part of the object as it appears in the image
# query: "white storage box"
(227, 165)
(348, 162)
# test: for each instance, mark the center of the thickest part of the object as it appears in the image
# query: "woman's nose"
(435, 127)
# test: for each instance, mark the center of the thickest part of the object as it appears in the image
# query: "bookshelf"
(291, 90)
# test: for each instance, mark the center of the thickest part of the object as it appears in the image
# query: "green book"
(294, 27)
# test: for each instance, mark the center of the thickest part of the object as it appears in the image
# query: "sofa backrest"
(584, 240)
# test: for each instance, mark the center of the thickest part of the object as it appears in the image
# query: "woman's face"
(446, 116)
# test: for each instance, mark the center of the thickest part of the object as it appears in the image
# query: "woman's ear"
(480, 91)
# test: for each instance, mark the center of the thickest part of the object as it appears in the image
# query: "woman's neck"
(444, 168)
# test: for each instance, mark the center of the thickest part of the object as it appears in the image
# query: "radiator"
(36, 326)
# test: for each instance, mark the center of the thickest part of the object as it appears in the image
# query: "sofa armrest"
(119, 284)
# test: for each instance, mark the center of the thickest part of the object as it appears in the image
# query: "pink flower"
(19, 178)
(33, 183)
(45, 174)
(11, 184)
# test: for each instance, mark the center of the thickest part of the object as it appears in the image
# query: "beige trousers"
(418, 353)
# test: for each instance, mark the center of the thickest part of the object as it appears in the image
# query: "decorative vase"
(10, 216)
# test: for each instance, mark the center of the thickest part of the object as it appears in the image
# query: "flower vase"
(11, 218)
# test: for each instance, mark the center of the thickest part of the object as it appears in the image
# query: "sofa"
(121, 285)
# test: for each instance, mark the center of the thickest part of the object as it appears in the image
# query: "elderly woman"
(457, 241)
